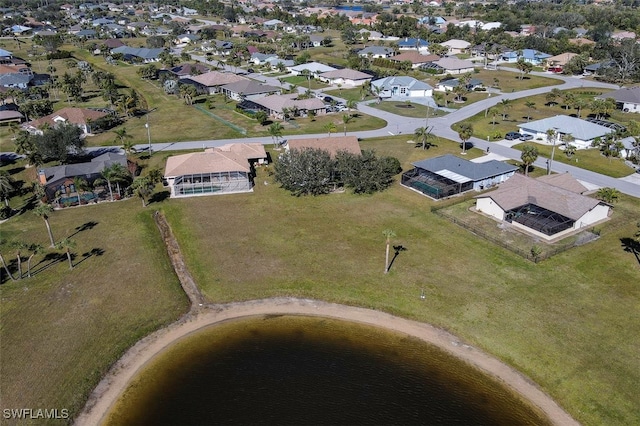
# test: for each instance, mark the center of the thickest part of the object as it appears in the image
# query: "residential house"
(276, 105)
(261, 58)
(314, 68)
(224, 170)
(416, 58)
(453, 65)
(186, 38)
(417, 44)
(456, 46)
(81, 117)
(248, 89)
(332, 145)
(448, 175)
(211, 82)
(276, 62)
(560, 60)
(59, 180)
(450, 84)
(345, 77)
(376, 52)
(272, 24)
(627, 99)
(402, 88)
(141, 54)
(583, 132)
(549, 207)
(188, 70)
(532, 56)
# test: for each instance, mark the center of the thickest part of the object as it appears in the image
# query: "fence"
(583, 238)
(222, 120)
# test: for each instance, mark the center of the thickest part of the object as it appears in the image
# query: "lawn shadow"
(159, 197)
(84, 227)
(49, 260)
(631, 246)
(96, 251)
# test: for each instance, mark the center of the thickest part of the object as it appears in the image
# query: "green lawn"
(302, 81)
(63, 329)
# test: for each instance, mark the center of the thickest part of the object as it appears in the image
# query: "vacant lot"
(62, 329)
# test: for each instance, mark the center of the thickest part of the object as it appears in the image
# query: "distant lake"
(296, 370)
(353, 8)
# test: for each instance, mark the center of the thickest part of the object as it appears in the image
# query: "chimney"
(42, 177)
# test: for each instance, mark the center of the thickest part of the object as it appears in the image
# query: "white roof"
(453, 176)
(314, 67)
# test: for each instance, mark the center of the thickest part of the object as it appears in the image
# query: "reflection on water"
(306, 370)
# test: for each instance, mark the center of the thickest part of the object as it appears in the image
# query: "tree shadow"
(159, 197)
(94, 252)
(397, 250)
(48, 261)
(84, 227)
(631, 246)
(466, 146)
(15, 170)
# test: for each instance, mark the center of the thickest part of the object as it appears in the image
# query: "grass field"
(567, 322)
(62, 329)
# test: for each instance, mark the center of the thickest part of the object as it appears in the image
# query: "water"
(291, 370)
(350, 8)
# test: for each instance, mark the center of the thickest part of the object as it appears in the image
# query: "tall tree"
(530, 106)
(7, 186)
(112, 174)
(346, 118)
(529, 155)
(81, 185)
(423, 135)
(330, 127)
(67, 245)
(143, 188)
(34, 249)
(275, 131)
(44, 211)
(465, 131)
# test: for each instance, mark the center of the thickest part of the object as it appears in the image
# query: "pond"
(287, 369)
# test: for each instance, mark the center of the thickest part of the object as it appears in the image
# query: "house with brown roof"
(222, 170)
(248, 89)
(211, 82)
(560, 60)
(345, 77)
(416, 58)
(332, 145)
(275, 105)
(549, 207)
(81, 117)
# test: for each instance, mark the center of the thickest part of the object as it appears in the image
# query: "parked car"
(328, 99)
(526, 137)
(512, 136)
(250, 71)
(555, 69)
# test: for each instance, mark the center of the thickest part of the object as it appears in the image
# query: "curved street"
(397, 124)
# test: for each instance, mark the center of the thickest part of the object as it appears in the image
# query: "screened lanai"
(209, 183)
(539, 219)
(436, 185)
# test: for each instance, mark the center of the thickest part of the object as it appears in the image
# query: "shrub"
(60, 54)
(5, 212)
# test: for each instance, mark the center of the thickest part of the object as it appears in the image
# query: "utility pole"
(149, 130)
(553, 149)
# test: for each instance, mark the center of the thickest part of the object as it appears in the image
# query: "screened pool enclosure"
(209, 183)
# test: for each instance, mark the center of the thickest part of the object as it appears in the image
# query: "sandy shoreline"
(115, 382)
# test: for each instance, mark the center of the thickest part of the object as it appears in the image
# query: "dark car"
(512, 136)
(526, 137)
(328, 99)
(250, 71)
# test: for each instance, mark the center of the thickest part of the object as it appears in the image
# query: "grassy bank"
(62, 329)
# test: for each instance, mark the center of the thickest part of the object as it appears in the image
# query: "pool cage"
(209, 183)
(539, 219)
(434, 185)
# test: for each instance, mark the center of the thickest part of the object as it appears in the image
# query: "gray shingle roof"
(579, 129)
(460, 166)
(95, 166)
(627, 94)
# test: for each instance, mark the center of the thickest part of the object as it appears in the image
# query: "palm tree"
(465, 130)
(388, 234)
(19, 246)
(528, 156)
(6, 186)
(143, 187)
(493, 112)
(43, 211)
(580, 104)
(66, 245)
(506, 105)
(552, 134)
(4, 265)
(81, 185)
(531, 106)
(34, 249)
(423, 134)
(275, 130)
(330, 127)
(351, 104)
(569, 149)
(608, 195)
(114, 173)
(121, 136)
(346, 118)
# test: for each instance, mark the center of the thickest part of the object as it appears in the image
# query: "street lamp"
(149, 130)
